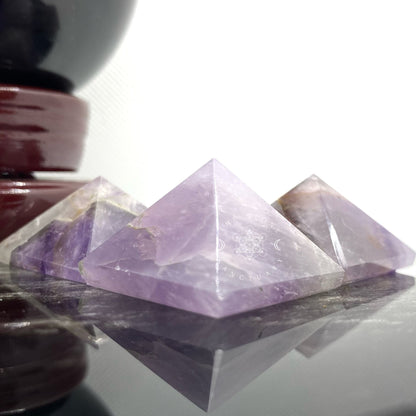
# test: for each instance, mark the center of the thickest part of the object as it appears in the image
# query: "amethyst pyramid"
(56, 241)
(214, 247)
(350, 237)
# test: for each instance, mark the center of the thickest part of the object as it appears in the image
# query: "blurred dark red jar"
(40, 130)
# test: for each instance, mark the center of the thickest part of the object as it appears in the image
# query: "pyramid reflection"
(209, 360)
(361, 300)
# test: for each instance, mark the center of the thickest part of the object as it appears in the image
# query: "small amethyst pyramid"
(56, 241)
(350, 237)
(214, 247)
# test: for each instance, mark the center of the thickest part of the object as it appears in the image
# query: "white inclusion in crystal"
(339, 252)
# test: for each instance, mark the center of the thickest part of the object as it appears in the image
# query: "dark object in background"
(47, 48)
(58, 44)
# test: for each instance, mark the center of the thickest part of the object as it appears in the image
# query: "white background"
(275, 90)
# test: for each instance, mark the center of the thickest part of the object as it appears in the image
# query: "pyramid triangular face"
(350, 237)
(56, 241)
(214, 247)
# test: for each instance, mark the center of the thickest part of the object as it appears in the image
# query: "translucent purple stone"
(56, 241)
(350, 237)
(214, 247)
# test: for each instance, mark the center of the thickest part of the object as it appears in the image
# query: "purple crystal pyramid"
(214, 247)
(350, 237)
(56, 241)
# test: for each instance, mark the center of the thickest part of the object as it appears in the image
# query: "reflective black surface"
(345, 352)
(81, 402)
(40, 359)
(58, 44)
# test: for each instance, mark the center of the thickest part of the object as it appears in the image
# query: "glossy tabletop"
(349, 352)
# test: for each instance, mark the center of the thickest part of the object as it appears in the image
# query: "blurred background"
(274, 90)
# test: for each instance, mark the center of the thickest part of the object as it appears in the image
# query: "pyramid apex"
(213, 163)
(314, 177)
(98, 180)
(312, 183)
(312, 180)
(213, 160)
(95, 186)
(212, 171)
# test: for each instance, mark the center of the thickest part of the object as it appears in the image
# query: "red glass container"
(47, 49)
(40, 130)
